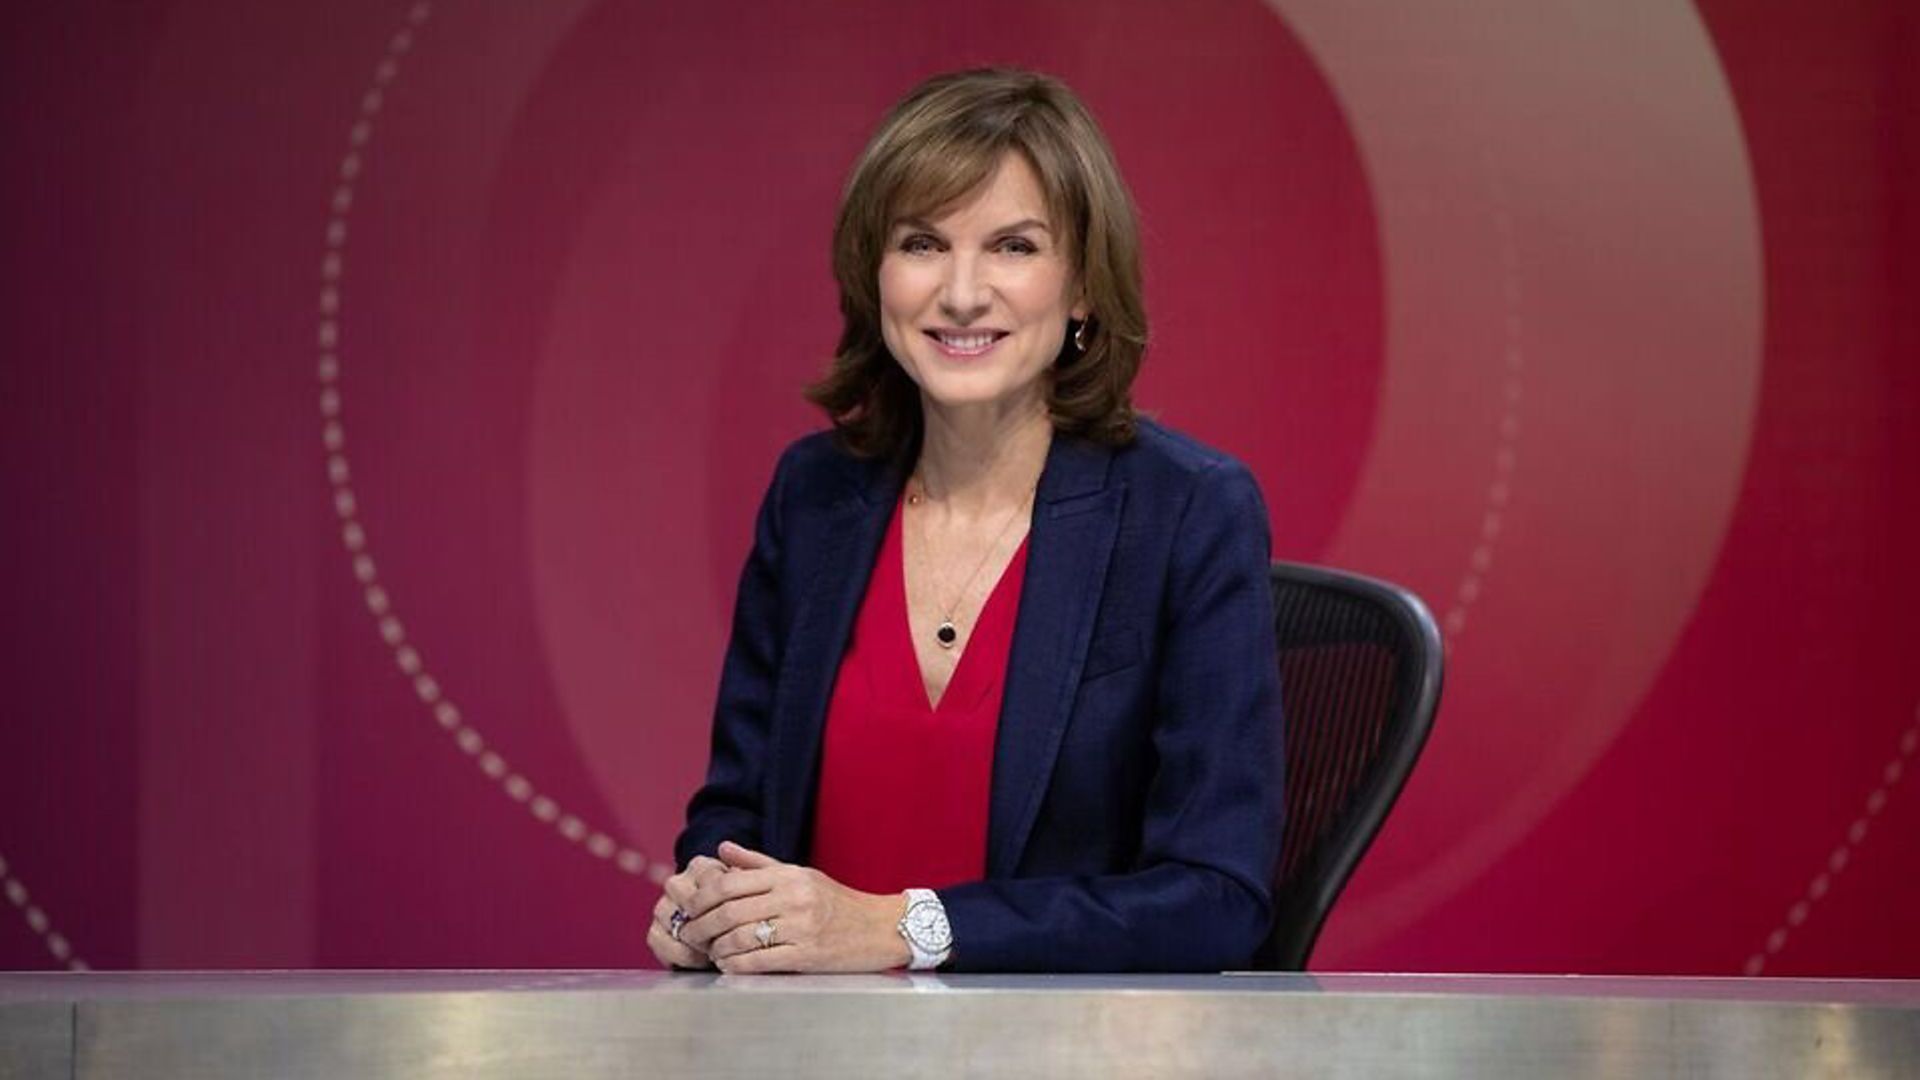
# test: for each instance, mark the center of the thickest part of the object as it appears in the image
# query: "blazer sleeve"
(730, 804)
(1199, 898)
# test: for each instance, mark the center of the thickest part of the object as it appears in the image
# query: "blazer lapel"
(856, 525)
(1076, 515)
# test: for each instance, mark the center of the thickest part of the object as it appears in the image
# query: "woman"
(1001, 690)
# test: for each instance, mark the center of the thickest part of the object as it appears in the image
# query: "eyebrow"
(1005, 230)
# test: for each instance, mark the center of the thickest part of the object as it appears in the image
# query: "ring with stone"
(764, 932)
(675, 923)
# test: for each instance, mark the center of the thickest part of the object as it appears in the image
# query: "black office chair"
(1360, 664)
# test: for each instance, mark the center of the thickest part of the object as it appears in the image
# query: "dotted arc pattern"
(407, 655)
(353, 534)
(1843, 853)
(37, 919)
(1506, 455)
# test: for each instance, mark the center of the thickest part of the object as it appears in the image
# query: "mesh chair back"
(1360, 666)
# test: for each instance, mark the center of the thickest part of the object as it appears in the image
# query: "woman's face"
(975, 304)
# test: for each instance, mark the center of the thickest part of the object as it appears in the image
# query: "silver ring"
(764, 932)
(675, 923)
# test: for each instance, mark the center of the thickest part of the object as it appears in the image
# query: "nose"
(964, 295)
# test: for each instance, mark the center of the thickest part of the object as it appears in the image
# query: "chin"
(950, 393)
(947, 385)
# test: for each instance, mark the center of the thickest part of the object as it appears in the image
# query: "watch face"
(927, 925)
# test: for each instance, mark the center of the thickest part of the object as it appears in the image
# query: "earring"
(1080, 337)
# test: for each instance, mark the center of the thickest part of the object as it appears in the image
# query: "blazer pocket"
(1113, 651)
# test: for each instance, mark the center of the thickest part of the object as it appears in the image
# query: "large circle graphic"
(687, 301)
(1573, 265)
(1461, 298)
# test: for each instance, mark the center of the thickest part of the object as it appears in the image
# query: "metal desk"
(605, 1024)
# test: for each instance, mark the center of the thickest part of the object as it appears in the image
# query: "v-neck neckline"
(962, 668)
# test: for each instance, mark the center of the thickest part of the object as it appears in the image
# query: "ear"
(1082, 307)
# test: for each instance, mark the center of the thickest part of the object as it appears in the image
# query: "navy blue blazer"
(1135, 805)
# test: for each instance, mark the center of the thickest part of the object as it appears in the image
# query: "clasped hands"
(816, 924)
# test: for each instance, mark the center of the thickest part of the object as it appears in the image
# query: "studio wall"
(388, 388)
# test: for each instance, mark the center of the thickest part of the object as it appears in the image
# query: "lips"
(965, 342)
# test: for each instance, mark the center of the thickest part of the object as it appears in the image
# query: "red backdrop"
(388, 389)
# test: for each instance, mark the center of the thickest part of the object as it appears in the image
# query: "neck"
(977, 460)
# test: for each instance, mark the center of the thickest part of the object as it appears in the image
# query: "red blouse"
(903, 785)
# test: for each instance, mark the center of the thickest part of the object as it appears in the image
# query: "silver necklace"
(947, 634)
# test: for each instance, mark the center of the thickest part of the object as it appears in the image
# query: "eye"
(918, 244)
(1018, 245)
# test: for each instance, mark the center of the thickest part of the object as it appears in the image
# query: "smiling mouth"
(965, 343)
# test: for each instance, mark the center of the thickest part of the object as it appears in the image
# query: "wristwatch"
(929, 936)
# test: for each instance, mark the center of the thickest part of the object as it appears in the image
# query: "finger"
(744, 858)
(663, 910)
(742, 939)
(700, 869)
(703, 867)
(745, 911)
(682, 886)
(665, 915)
(775, 957)
(672, 953)
(729, 886)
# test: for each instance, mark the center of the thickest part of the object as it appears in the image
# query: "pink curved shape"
(1573, 269)
(681, 304)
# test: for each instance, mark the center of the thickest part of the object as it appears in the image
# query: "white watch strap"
(928, 935)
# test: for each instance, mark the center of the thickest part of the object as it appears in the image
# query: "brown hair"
(940, 143)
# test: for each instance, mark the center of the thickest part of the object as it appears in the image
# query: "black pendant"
(946, 635)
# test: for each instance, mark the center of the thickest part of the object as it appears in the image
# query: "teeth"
(966, 341)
